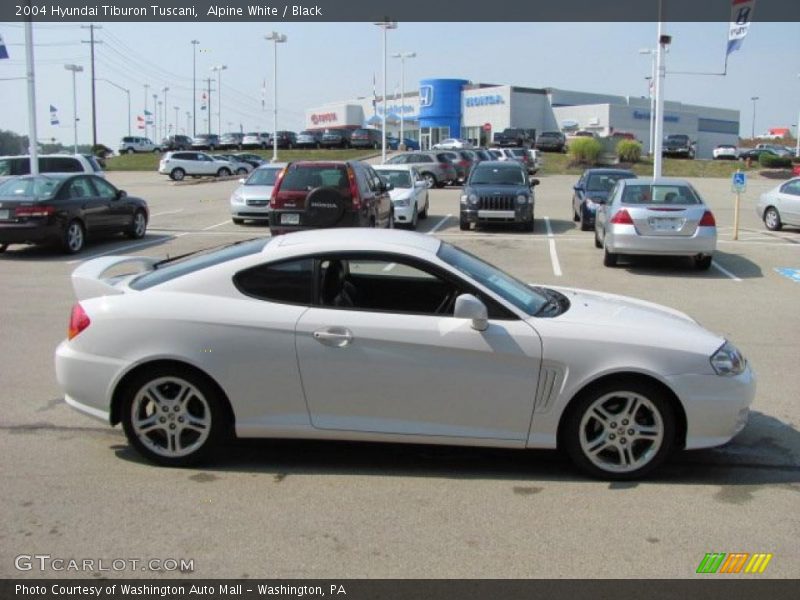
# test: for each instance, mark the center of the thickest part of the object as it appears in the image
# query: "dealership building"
(443, 108)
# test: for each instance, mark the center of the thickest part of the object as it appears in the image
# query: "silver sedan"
(780, 206)
(250, 201)
(655, 217)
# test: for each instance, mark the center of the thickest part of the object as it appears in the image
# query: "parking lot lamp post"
(403, 56)
(164, 117)
(386, 25)
(219, 69)
(650, 89)
(194, 89)
(155, 118)
(658, 130)
(276, 38)
(177, 109)
(753, 130)
(161, 111)
(75, 69)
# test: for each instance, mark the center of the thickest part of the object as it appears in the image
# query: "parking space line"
(725, 271)
(552, 243)
(217, 225)
(166, 212)
(439, 224)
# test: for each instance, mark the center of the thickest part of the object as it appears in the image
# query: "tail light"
(622, 218)
(351, 178)
(78, 321)
(708, 220)
(464, 163)
(35, 211)
(273, 199)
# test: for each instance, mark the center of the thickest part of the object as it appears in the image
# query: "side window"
(79, 188)
(792, 188)
(287, 282)
(362, 180)
(104, 189)
(58, 164)
(374, 180)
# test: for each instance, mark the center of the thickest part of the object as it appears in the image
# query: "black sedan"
(592, 189)
(65, 209)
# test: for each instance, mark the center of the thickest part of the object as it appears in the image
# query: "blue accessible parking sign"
(739, 181)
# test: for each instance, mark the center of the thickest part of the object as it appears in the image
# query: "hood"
(613, 317)
(254, 192)
(401, 193)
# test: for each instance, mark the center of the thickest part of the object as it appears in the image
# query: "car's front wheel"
(173, 416)
(224, 172)
(620, 430)
(177, 174)
(138, 226)
(74, 237)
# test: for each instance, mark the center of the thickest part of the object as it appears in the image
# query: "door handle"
(337, 337)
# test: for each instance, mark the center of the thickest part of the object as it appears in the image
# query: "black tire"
(177, 174)
(325, 207)
(238, 221)
(212, 411)
(241, 171)
(430, 178)
(702, 263)
(74, 237)
(772, 219)
(441, 184)
(423, 214)
(584, 225)
(390, 221)
(609, 258)
(575, 216)
(224, 172)
(463, 224)
(597, 242)
(211, 148)
(660, 403)
(156, 150)
(138, 227)
(130, 151)
(527, 227)
(414, 219)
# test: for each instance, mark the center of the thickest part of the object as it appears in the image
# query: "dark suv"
(515, 136)
(286, 139)
(366, 138)
(498, 192)
(176, 142)
(551, 141)
(335, 138)
(321, 194)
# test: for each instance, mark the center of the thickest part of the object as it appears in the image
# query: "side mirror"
(121, 194)
(577, 187)
(534, 182)
(469, 307)
(421, 183)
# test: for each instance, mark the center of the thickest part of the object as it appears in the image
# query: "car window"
(603, 182)
(792, 188)
(399, 179)
(483, 175)
(80, 188)
(33, 187)
(104, 189)
(263, 176)
(308, 177)
(288, 282)
(59, 164)
(659, 194)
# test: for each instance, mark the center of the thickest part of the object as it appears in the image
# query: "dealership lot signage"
(645, 114)
(323, 118)
(484, 100)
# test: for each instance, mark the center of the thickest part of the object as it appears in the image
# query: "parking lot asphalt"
(72, 488)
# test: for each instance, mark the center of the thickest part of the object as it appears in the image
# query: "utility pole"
(155, 119)
(33, 145)
(92, 42)
(208, 105)
(75, 69)
(146, 86)
(194, 88)
(166, 119)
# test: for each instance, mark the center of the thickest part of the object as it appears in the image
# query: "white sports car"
(389, 336)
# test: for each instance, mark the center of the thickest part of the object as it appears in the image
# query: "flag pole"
(33, 148)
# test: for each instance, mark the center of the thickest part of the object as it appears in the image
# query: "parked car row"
(177, 165)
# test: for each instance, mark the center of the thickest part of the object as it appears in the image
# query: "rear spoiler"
(88, 281)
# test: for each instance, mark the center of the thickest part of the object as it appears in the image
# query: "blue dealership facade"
(439, 108)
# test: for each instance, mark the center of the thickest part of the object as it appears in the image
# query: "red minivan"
(321, 194)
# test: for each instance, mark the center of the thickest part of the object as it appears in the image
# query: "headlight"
(473, 199)
(237, 198)
(401, 202)
(522, 199)
(728, 361)
(463, 198)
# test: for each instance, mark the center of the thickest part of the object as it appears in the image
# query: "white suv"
(11, 166)
(180, 164)
(129, 145)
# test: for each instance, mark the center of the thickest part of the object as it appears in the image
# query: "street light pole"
(753, 130)
(146, 86)
(165, 118)
(128, 92)
(155, 118)
(658, 130)
(75, 69)
(194, 89)
(219, 69)
(651, 94)
(386, 25)
(276, 38)
(403, 56)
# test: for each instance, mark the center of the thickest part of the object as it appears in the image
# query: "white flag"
(741, 15)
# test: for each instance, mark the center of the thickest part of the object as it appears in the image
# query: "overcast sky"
(324, 62)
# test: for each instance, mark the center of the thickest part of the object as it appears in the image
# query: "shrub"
(629, 151)
(585, 150)
(770, 161)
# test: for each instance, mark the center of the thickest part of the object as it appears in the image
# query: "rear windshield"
(659, 194)
(399, 179)
(307, 178)
(263, 176)
(603, 182)
(29, 187)
(196, 262)
(483, 175)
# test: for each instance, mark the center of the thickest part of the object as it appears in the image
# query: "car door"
(603, 210)
(577, 196)
(382, 199)
(94, 211)
(789, 202)
(386, 364)
(120, 212)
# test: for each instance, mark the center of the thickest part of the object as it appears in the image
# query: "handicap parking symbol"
(739, 181)
(793, 274)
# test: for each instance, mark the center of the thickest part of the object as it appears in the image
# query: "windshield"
(399, 179)
(263, 177)
(659, 194)
(497, 176)
(29, 187)
(603, 182)
(502, 284)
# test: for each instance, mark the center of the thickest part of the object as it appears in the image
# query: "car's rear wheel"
(609, 258)
(597, 242)
(241, 171)
(129, 151)
(177, 174)
(772, 219)
(173, 416)
(702, 263)
(620, 430)
(74, 237)
(585, 225)
(430, 179)
(224, 172)
(463, 224)
(138, 226)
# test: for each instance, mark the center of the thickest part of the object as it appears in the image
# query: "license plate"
(666, 224)
(290, 219)
(4, 214)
